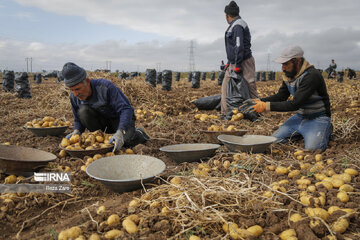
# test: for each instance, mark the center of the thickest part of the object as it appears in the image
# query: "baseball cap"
(289, 53)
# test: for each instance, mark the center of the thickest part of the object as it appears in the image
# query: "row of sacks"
(16, 81)
(165, 78)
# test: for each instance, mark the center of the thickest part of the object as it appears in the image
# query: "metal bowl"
(212, 135)
(22, 160)
(124, 173)
(51, 131)
(83, 153)
(191, 152)
(247, 143)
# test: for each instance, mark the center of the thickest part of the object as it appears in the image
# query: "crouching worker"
(97, 104)
(309, 98)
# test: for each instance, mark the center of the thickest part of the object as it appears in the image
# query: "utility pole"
(108, 65)
(158, 67)
(27, 64)
(268, 62)
(191, 57)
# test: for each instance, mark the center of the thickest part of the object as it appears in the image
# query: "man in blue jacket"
(310, 100)
(97, 104)
(238, 51)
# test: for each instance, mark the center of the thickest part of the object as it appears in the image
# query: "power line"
(191, 57)
(108, 65)
(28, 59)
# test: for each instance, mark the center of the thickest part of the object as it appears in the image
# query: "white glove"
(118, 138)
(76, 131)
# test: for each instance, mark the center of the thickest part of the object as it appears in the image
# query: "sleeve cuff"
(267, 106)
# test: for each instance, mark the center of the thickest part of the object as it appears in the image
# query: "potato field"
(284, 193)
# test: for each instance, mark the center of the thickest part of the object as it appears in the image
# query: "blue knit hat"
(73, 74)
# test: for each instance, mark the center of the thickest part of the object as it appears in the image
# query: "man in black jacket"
(310, 100)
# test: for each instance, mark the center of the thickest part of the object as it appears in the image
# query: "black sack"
(221, 76)
(166, 80)
(207, 103)
(22, 85)
(8, 81)
(150, 77)
(237, 91)
(195, 81)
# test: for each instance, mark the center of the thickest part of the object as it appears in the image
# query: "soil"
(216, 197)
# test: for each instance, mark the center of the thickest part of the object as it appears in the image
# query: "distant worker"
(238, 51)
(98, 104)
(309, 98)
(351, 74)
(332, 69)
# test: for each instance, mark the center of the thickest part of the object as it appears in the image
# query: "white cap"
(289, 53)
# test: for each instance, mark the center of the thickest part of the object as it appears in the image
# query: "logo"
(52, 177)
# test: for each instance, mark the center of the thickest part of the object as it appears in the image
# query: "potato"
(227, 226)
(298, 153)
(268, 194)
(94, 236)
(11, 179)
(345, 177)
(176, 180)
(81, 237)
(165, 211)
(62, 153)
(337, 182)
(333, 209)
(129, 151)
(285, 235)
(113, 219)
(133, 217)
(346, 188)
(193, 237)
(326, 184)
(134, 203)
(112, 234)
(97, 156)
(281, 170)
(343, 196)
(311, 188)
(255, 230)
(340, 225)
(100, 210)
(294, 173)
(303, 181)
(74, 138)
(155, 204)
(226, 164)
(73, 232)
(318, 157)
(99, 139)
(305, 200)
(64, 143)
(295, 217)
(129, 226)
(351, 172)
(317, 212)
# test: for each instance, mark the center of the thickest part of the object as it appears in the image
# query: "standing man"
(99, 104)
(240, 59)
(332, 69)
(310, 99)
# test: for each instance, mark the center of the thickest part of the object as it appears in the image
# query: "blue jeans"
(316, 132)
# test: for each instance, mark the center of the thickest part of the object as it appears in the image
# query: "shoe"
(143, 137)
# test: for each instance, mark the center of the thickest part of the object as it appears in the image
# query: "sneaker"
(143, 136)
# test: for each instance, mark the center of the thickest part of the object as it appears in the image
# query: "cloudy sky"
(133, 35)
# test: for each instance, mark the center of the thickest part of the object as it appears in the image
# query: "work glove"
(258, 107)
(76, 131)
(118, 139)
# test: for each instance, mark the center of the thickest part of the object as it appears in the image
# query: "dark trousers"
(93, 120)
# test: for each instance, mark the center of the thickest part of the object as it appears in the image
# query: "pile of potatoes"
(87, 141)
(204, 116)
(236, 115)
(222, 128)
(47, 122)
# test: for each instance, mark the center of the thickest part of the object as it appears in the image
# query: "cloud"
(319, 49)
(324, 29)
(25, 15)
